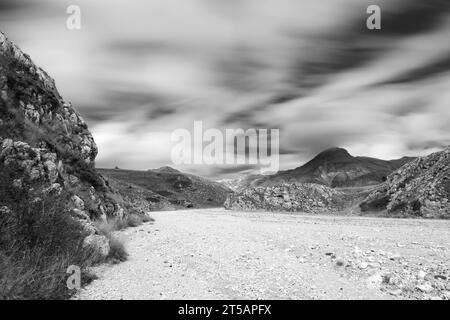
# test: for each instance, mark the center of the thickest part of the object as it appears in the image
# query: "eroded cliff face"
(29, 95)
(419, 188)
(293, 197)
(46, 143)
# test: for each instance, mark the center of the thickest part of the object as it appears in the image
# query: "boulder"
(99, 244)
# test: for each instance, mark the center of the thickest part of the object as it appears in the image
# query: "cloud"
(434, 68)
(137, 70)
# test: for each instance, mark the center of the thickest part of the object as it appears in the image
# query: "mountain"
(419, 188)
(334, 167)
(314, 186)
(47, 157)
(172, 188)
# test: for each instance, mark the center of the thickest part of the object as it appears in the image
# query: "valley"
(217, 254)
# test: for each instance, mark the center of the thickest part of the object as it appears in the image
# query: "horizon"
(234, 176)
(310, 70)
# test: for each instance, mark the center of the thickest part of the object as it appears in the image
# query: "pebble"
(363, 265)
(339, 262)
(395, 256)
(396, 292)
(375, 281)
(426, 287)
(421, 275)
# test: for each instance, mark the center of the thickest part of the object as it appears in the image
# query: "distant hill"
(334, 168)
(168, 185)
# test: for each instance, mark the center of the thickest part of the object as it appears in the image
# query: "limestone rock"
(78, 203)
(306, 197)
(419, 188)
(98, 244)
(47, 144)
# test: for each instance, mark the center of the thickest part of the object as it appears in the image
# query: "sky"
(139, 69)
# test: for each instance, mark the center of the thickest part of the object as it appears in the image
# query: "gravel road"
(218, 254)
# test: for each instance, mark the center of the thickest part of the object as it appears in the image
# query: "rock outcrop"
(47, 142)
(305, 197)
(419, 188)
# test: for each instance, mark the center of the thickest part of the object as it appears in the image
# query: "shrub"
(39, 240)
(133, 220)
(87, 173)
(115, 224)
(117, 251)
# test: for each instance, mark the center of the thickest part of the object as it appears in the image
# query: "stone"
(78, 202)
(55, 188)
(340, 262)
(375, 280)
(4, 210)
(73, 180)
(396, 292)
(52, 170)
(426, 288)
(99, 244)
(80, 214)
(421, 275)
(17, 183)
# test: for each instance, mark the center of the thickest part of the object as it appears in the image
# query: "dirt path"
(217, 254)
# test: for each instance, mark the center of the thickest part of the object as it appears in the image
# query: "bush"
(133, 220)
(39, 240)
(117, 251)
(130, 220)
(87, 173)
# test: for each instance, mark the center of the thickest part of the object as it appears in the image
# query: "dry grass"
(130, 220)
(117, 251)
(39, 240)
(108, 228)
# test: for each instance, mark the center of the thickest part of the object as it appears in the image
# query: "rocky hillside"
(419, 188)
(46, 147)
(305, 197)
(334, 168)
(170, 188)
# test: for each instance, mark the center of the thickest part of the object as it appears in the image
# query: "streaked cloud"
(139, 69)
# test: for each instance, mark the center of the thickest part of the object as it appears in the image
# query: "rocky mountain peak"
(333, 154)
